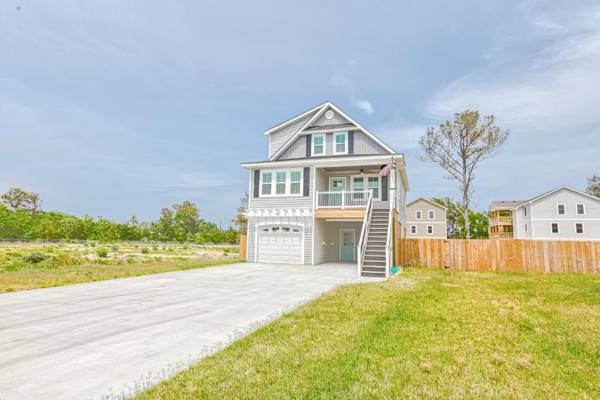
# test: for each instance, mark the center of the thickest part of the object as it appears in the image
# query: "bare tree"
(593, 186)
(458, 146)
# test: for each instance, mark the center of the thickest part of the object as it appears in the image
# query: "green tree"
(453, 216)
(593, 186)
(164, 228)
(19, 199)
(186, 221)
(459, 146)
(241, 219)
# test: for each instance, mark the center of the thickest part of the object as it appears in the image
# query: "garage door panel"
(281, 245)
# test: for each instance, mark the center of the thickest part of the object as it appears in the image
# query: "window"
(431, 214)
(580, 209)
(525, 227)
(560, 209)
(281, 178)
(418, 214)
(413, 229)
(373, 185)
(358, 185)
(267, 178)
(287, 182)
(525, 211)
(555, 227)
(340, 143)
(430, 229)
(318, 143)
(295, 178)
(579, 227)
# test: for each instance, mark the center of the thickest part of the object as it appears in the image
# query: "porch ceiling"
(367, 169)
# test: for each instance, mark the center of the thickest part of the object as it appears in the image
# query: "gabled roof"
(514, 204)
(315, 116)
(427, 200)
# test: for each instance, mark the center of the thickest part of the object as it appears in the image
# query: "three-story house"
(330, 192)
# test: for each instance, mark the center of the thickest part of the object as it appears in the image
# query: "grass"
(32, 266)
(424, 334)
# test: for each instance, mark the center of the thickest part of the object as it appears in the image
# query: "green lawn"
(423, 334)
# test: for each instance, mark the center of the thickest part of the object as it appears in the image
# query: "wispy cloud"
(363, 105)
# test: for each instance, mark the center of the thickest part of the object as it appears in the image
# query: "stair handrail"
(363, 233)
(388, 242)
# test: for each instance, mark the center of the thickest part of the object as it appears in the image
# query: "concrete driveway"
(108, 339)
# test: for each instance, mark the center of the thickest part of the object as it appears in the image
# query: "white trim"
(340, 243)
(317, 115)
(330, 161)
(328, 130)
(288, 182)
(411, 229)
(429, 201)
(556, 190)
(426, 222)
(576, 210)
(299, 224)
(564, 208)
(582, 228)
(312, 145)
(366, 184)
(335, 135)
(427, 231)
(330, 189)
(291, 121)
(557, 228)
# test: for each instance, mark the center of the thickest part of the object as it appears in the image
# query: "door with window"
(336, 184)
(366, 182)
(347, 245)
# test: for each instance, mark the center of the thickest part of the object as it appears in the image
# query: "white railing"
(389, 256)
(343, 199)
(360, 251)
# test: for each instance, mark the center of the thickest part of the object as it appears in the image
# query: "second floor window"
(295, 178)
(431, 214)
(560, 208)
(340, 143)
(281, 178)
(267, 178)
(318, 142)
(580, 209)
(418, 214)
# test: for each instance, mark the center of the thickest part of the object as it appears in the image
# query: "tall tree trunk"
(466, 204)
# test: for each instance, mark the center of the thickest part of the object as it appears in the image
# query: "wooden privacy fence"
(243, 239)
(500, 255)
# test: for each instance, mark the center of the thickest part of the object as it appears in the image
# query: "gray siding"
(438, 222)
(363, 144)
(279, 138)
(337, 119)
(296, 149)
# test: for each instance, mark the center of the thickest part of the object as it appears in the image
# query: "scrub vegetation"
(423, 334)
(36, 265)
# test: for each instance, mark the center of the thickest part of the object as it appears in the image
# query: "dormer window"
(318, 145)
(340, 143)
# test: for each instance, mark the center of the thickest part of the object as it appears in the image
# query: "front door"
(336, 184)
(347, 244)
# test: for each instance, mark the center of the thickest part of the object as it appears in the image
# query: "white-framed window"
(579, 228)
(295, 182)
(430, 229)
(266, 183)
(373, 185)
(281, 179)
(318, 145)
(286, 182)
(431, 214)
(525, 211)
(340, 141)
(413, 229)
(554, 227)
(580, 208)
(366, 182)
(418, 215)
(561, 209)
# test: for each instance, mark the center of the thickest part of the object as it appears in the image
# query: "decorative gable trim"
(291, 121)
(433, 203)
(541, 196)
(324, 107)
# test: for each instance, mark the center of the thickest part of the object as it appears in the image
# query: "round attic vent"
(329, 114)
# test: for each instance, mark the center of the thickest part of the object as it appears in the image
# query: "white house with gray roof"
(330, 191)
(560, 214)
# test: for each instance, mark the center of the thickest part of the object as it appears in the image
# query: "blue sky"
(117, 108)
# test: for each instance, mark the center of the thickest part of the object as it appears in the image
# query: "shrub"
(145, 250)
(102, 252)
(114, 248)
(93, 244)
(131, 260)
(35, 258)
(155, 248)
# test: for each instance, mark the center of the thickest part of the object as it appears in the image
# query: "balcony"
(501, 221)
(342, 204)
(501, 235)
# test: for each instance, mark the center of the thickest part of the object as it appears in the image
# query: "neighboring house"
(560, 214)
(426, 219)
(320, 196)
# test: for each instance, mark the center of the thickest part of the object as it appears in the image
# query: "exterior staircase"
(374, 261)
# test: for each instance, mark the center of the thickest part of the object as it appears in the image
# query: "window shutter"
(306, 177)
(308, 145)
(350, 142)
(256, 182)
(384, 188)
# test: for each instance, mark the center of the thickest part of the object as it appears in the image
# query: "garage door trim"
(297, 224)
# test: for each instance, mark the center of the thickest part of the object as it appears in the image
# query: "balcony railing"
(343, 199)
(501, 235)
(501, 221)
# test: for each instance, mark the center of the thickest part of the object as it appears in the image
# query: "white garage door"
(280, 244)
